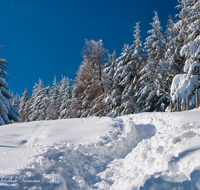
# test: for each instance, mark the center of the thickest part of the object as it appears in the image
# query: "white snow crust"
(135, 152)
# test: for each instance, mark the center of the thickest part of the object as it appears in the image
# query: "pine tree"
(190, 49)
(152, 91)
(24, 107)
(39, 100)
(122, 76)
(54, 103)
(7, 111)
(15, 100)
(180, 29)
(65, 95)
(171, 57)
(110, 66)
(122, 99)
(137, 63)
(189, 82)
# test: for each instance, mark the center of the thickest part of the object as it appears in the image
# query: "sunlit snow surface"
(136, 152)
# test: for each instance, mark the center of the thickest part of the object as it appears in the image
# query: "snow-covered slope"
(134, 152)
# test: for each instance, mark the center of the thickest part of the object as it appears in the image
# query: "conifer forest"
(144, 78)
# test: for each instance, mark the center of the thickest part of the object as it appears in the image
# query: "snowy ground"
(136, 152)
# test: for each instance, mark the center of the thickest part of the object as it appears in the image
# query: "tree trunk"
(187, 102)
(197, 99)
(170, 105)
(178, 104)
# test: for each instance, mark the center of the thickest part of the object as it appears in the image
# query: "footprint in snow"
(189, 134)
(23, 142)
(160, 149)
(189, 126)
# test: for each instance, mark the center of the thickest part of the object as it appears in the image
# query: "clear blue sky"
(44, 38)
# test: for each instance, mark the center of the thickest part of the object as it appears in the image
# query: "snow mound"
(138, 152)
(183, 86)
(69, 166)
(167, 160)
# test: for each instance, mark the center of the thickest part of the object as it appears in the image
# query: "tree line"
(139, 80)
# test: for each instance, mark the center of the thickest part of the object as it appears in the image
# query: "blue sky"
(44, 38)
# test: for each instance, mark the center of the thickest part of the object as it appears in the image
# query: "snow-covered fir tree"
(172, 59)
(153, 88)
(65, 95)
(180, 29)
(120, 77)
(39, 102)
(7, 111)
(110, 66)
(54, 103)
(134, 67)
(187, 83)
(15, 100)
(24, 107)
(123, 77)
(126, 74)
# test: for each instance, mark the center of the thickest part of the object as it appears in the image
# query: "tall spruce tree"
(15, 100)
(24, 107)
(152, 91)
(180, 29)
(189, 82)
(65, 95)
(190, 50)
(121, 77)
(39, 100)
(171, 56)
(110, 66)
(7, 111)
(126, 69)
(135, 66)
(54, 101)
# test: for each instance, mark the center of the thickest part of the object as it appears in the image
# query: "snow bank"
(168, 160)
(76, 131)
(181, 86)
(69, 166)
(138, 152)
(20, 141)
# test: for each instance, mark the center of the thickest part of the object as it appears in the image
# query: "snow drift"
(136, 152)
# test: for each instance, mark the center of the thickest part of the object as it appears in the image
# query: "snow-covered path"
(168, 160)
(138, 152)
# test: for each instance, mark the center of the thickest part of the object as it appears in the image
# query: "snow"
(191, 51)
(193, 68)
(23, 138)
(181, 86)
(134, 152)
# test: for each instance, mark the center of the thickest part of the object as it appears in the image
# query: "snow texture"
(140, 152)
(183, 86)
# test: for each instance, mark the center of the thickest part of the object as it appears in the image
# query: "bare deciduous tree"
(89, 81)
